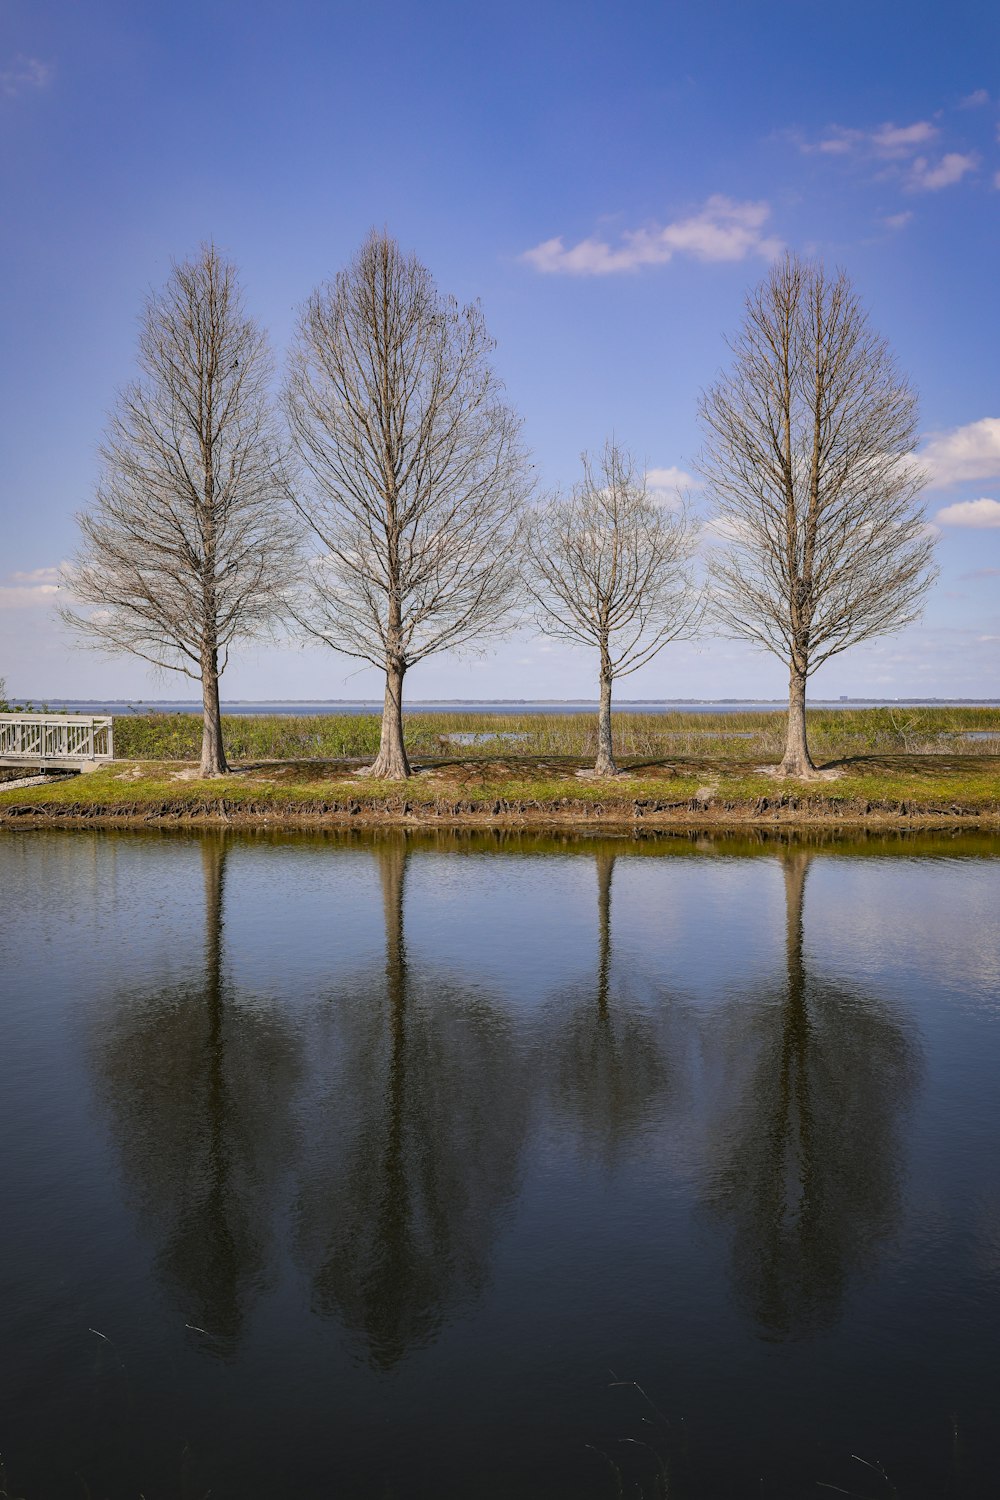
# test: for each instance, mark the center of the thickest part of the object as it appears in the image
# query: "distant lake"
(65, 705)
(477, 1166)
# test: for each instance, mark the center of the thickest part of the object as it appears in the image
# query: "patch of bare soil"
(822, 773)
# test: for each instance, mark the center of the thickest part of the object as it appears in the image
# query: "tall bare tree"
(417, 472)
(809, 438)
(606, 567)
(188, 547)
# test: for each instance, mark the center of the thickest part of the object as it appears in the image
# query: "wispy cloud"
(975, 100)
(978, 514)
(31, 589)
(926, 176)
(893, 141)
(723, 230)
(898, 221)
(979, 573)
(902, 150)
(963, 454)
(38, 575)
(724, 529)
(25, 596)
(888, 142)
(24, 74)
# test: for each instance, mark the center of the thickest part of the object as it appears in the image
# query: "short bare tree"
(188, 547)
(417, 473)
(808, 459)
(607, 567)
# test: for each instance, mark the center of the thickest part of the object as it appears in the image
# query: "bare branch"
(608, 568)
(188, 547)
(417, 474)
(808, 451)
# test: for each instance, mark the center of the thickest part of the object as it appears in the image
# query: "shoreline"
(901, 791)
(542, 822)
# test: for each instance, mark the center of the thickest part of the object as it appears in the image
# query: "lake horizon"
(301, 706)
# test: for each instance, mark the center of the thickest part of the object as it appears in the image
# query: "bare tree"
(188, 547)
(606, 567)
(418, 475)
(808, 450)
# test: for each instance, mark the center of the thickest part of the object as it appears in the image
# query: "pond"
(475, 1165)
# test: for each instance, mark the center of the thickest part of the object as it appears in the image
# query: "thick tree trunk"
(213, 751)
(797, 762)
(605, 763)
(391, 763)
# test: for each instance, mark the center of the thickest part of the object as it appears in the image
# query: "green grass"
(714, 789)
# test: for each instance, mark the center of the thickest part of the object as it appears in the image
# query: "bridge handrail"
(26, 718)
(56, 737)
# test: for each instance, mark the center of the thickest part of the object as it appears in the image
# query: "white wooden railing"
(55, 739)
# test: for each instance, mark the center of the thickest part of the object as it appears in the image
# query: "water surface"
(451, 1165)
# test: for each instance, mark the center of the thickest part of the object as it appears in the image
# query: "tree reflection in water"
(611, 1064)
(198, 1081)
(414, 1144)
(807, 1162)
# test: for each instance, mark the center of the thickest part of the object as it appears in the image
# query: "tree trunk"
(605, 870)
(213, 751)
(605, 764)
(797, 762)
(391, 763)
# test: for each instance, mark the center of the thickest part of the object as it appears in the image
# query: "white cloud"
(38, 575)
(889, 142)
(929, 177)
(975, 100)
(898, 221)
(25, 73)
(838, 143)
(902, 140)
(666, 486)
(965, 453)
(723, 230)
(30, 589)
(26, 596)
(976, 513)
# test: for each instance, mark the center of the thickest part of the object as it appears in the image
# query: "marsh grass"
(835, 734)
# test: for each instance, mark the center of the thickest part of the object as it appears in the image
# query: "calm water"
(471, 1166)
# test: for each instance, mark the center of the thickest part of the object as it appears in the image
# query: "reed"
(835, 734)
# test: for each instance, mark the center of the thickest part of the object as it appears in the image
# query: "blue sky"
(608, 179)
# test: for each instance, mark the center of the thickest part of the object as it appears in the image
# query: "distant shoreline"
(490, 704)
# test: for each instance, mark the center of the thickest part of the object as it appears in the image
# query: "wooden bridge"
(57, 742)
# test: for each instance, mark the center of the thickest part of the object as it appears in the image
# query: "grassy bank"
(701, 791)
(754, 735)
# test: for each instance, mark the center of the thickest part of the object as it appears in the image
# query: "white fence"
(57, 740)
